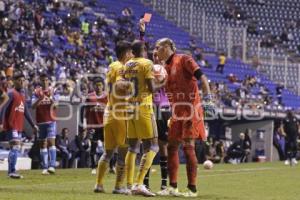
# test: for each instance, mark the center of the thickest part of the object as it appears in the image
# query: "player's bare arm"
(205, 85)
(154, 87)
(4, 99)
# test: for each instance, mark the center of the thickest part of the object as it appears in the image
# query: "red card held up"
(147, 17)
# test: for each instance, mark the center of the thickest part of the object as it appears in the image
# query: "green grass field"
(255, 181)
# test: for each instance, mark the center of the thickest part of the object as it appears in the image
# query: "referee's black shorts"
(291, 143)
(98, 134)
(162, 115)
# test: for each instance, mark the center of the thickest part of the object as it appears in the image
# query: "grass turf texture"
(254, 181)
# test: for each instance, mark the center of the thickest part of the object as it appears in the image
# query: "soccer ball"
(160, 74)
(208, 164)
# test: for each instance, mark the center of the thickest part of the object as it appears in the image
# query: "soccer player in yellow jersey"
(114, 122)
(141, 122)
(222, 61)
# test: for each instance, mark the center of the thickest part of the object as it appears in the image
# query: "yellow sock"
(145, 164)
(130, 167)
(120, 176)
(102, 167)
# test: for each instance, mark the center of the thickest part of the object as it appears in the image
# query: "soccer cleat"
(128, 191)
(121, 191)
(142, 190)
(164, 192)
(94, 172)
(189, 193)
(294, 161)
(99, 189)
(51, 170)
(287, 162)
(45, 172)
(170, 191)
(15, 176)
(233, 161)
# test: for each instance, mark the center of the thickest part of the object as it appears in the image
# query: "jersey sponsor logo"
(131, 71)
(131, 64)
(20, 108)
(99, 107)
(46, 101)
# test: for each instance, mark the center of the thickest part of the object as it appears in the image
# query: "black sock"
(113, 161)
(289, 155)
(164, 171)
(192, 188)
(146, 179)
(294, 154)
(173, 185)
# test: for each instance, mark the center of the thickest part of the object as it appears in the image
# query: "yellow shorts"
(142, 126)
(114, 133)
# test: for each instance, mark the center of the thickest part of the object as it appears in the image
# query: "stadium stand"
(60, 43)
(267, 21)
(68, 38)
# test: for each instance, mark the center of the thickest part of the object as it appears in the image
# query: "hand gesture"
(36, 130)
(142, 25)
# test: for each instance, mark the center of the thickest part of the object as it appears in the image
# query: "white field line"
(228, 172)
(241, 170)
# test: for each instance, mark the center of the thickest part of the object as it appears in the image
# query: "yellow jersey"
(137, 70)
(115, 73)
(222, 60)
(114, 115)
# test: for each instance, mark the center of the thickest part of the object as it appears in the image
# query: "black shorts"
(162, 117)
(98, 135)
(291, 144)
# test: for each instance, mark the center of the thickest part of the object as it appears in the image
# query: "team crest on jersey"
(20, 108)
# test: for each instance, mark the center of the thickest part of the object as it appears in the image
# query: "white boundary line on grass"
(229, 172)
(241, 170)
(47, 184)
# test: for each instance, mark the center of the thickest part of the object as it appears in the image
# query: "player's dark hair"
(289, 114)
(18, 74)
(137, 48)
(64, 130)
(121, 48)
(44, 75)
(98, 80)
